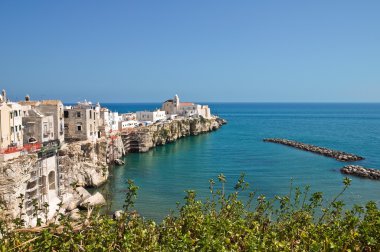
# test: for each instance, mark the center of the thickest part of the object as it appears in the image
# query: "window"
(45, 129)
(66, 114)
(78, 114)
(16, 114)
(12, 130)
(11, 114)
(90, 115)
(79, 127)
(19, 127)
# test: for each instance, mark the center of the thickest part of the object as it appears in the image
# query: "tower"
(176, 102)
(4, 94)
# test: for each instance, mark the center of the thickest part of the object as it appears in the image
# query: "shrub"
(299, 221)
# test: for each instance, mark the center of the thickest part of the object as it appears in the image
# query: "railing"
(32, 147)
(27, 147)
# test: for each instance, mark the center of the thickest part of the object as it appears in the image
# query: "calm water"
(164, 173)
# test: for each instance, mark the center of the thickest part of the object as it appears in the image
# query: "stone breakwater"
(361, 171)
(338, 155)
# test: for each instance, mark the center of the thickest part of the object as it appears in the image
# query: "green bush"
(300, 221)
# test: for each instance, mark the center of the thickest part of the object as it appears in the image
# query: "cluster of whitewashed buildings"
(174, 109)
(29, 124)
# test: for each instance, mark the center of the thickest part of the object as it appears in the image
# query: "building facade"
(128, 124)
(38, 127)
(82, 122)
(5, 126)
(16, 115)
(151, 116)
(52, 108)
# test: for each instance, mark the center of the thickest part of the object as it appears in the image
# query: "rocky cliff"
(50, 178)
(145, 138)
(14, 175)
(86, 163)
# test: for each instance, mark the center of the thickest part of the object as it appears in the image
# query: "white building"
(105, 122)
(114, 119)
(188, 109)
(128, 124)
(128, 116)
(151, 116)
(16, 115)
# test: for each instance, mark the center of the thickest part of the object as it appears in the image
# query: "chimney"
(4, 94)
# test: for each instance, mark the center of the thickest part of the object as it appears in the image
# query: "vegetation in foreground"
(300, 221)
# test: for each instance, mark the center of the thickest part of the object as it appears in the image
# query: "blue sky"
(204, 50)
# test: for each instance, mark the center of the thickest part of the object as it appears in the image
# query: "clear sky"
(204, 50)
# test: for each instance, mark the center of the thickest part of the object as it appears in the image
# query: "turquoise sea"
(165, 173)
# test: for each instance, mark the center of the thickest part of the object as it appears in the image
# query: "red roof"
(186, 103)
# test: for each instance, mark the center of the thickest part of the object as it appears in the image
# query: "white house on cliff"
(175, 107)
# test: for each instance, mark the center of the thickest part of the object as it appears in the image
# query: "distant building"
(16, 115)
(105, 122)
(188, 109)
(114, 119)
(11, 128)
(152, 116)
(82, 121)
(5, 125)
(128, 116)
(128, 124)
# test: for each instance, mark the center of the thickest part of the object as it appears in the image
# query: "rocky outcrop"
(119, 162)
(36, 176)
(338, 155)
(14, 175)
(95, 200)
(145, 138)
(360, 171)
(86, 163)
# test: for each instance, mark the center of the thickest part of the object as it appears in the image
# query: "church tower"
(176, 102)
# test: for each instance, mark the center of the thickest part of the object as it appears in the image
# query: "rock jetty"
(361, 171)
(338, 155)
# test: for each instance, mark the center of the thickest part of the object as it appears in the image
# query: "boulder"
(83, 193)
(80, 195)
(95, 200)
(119, 162)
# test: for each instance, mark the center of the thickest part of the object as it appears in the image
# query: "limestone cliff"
(145, 138)
(14, 175)
(86, 163)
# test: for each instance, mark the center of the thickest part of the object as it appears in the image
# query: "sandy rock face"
(83, 163)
